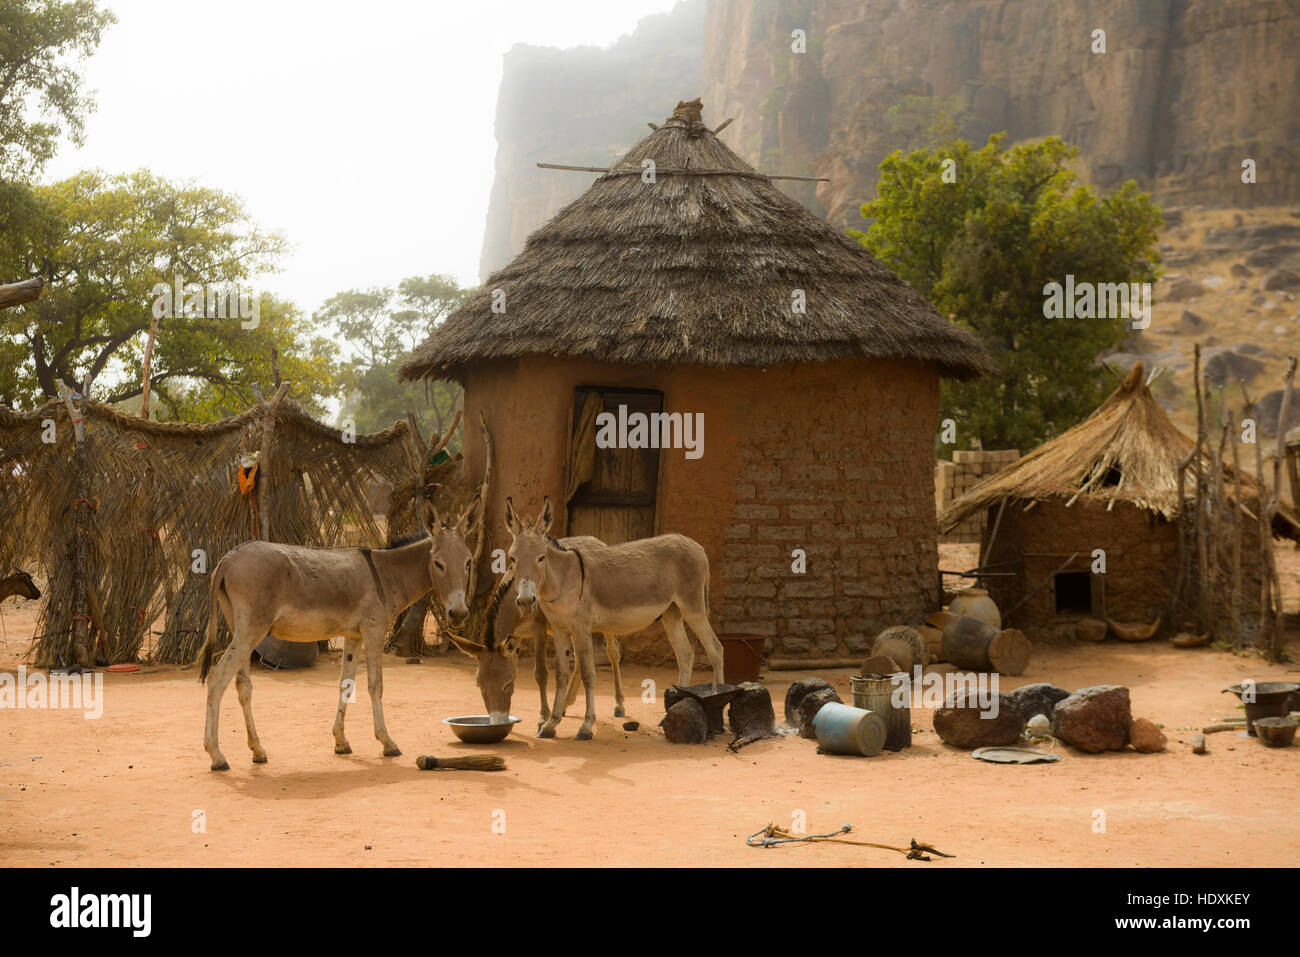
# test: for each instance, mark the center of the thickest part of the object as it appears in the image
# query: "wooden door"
(618, 503)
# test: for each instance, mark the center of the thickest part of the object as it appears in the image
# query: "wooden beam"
(17, 293)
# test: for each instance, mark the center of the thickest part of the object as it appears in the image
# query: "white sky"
(360, 130)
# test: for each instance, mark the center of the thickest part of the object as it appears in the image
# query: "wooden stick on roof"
(692, 172)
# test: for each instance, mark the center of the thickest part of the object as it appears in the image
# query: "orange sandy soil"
(122, 790)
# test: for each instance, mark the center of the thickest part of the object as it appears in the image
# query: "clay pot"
(976, 603)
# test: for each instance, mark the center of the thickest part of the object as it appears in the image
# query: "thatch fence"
(163, 504)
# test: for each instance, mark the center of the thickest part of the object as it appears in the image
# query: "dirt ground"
(133, 787)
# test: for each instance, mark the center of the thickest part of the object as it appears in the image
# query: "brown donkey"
(613, 589)
(312, 594)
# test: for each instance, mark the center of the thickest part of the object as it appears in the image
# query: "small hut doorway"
(612, 490)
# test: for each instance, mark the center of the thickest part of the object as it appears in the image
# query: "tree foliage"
(382, 325)
(984, 245)
(104, 242)
(41, 95)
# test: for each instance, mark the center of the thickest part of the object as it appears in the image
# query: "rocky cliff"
(581, 107)
(1185, 90)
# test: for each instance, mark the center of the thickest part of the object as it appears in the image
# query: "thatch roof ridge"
(700, 266)
(1128, 450)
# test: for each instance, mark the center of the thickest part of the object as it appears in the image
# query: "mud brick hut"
(679, 293)
(1110, 482)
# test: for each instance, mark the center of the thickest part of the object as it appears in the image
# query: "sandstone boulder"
(1145, 736)
(686, 723)
(1038, 698)
(1094, 719)
(962, 723)
(750, 712)
(796, 693)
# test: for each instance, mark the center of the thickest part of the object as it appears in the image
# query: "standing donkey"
(312, 594)
(613, 589)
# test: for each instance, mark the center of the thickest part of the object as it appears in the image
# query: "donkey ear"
(471, 648)
(512, 520)
(544, 520)
(470, 516)
(429, 515)
(511, 645)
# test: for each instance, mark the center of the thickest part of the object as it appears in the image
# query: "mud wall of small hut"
(1141, 565)
(834, 459)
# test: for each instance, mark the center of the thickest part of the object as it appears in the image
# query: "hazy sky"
(361, 130)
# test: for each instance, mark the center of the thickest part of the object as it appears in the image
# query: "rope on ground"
(774, 835)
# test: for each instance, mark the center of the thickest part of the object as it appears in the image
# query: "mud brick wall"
(954, 479)
(845, 476)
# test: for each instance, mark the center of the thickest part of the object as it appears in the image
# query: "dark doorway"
(1073, 593)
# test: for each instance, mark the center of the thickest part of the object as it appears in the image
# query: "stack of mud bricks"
(954, 479)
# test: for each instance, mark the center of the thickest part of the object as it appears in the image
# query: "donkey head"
(498, 659)
(450, 559)
(529, 546)
(20, 583)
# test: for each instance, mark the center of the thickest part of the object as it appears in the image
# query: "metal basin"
(1271, 701)
(477, 729)
(1276, 732)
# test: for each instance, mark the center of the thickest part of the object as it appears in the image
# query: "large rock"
(1189, 324)
(1145, 736)
(1094, 719)
(796, 693)
(1181, 288)
(1229, 366)
(751, 713)
(1280, 279)
(1038, 698)
(810, 705)
(686, 723)
(962, 723)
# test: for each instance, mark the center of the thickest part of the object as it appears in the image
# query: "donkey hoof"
(582, 735)
(393, 752)
(545, 732)
(342, 749)
(220, 765)
(620, 712)
(259, 759)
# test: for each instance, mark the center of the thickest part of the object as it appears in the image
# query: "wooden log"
(971, 644)
(811, 664)
(1276, 636)
(269, 410)
(17, 293)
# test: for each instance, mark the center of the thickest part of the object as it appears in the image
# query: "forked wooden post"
(1278, 621)
(269, 410)
(81, 517)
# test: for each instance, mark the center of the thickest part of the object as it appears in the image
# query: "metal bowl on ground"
(1276, 732)
(1271, 699)
(478, 728)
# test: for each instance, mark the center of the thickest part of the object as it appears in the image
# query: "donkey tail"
(210, 640)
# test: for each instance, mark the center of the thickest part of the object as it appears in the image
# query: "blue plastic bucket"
(842, 729)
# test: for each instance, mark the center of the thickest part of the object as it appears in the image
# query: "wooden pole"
(1238, 529)
(1214, 533)
(269, 410)
(1178, 605)
(1266, 517)
(81, 649)
(1202, 553)
(147, 367)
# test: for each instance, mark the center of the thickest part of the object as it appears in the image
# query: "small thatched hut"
(684, 282)
(1109, 483)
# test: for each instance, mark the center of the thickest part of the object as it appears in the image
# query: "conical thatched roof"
(1127, 451)
(700, 266)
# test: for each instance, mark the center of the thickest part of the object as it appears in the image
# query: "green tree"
(981, 238)
(41, 95)
(106, 243)
(381, 326)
